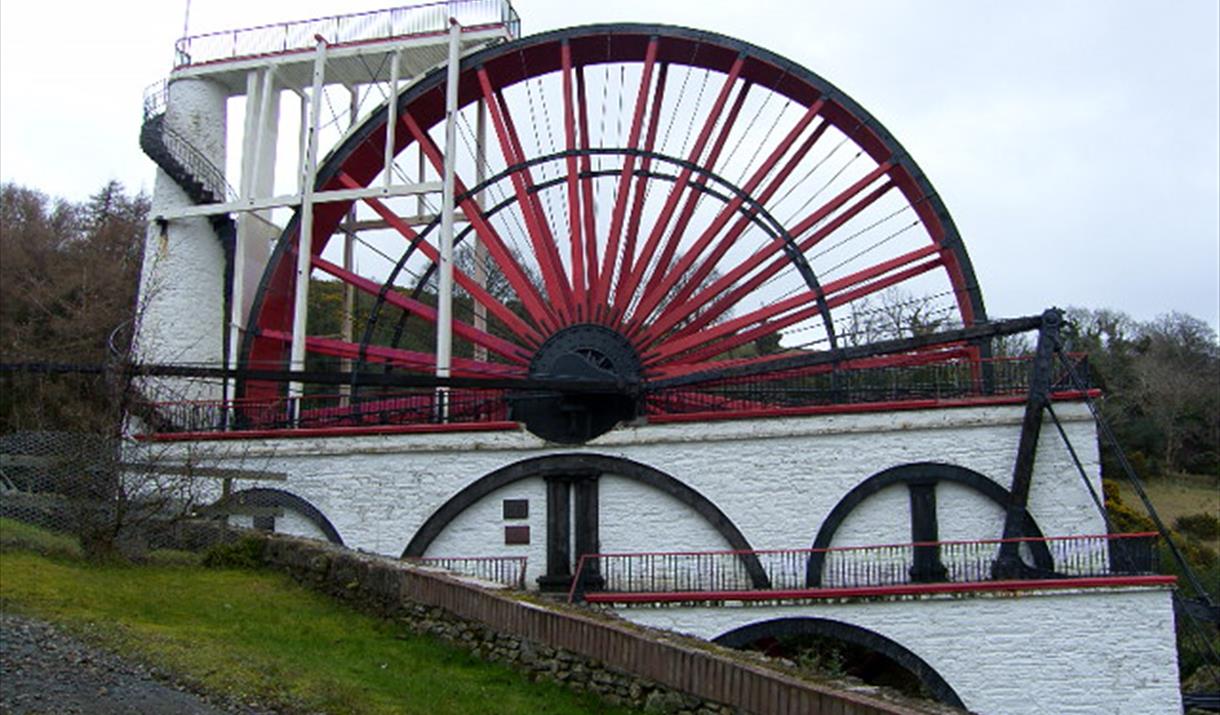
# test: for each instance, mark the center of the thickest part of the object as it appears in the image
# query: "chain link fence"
(116, 497)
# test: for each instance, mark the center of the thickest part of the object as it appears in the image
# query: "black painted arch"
(264, 497)
(917, 472)
(847, 633)
(579, 463)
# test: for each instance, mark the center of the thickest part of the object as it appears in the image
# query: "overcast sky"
(1077, 144)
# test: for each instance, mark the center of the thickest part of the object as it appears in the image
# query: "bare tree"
(1178, 374)
(893, 313)
(69, 281)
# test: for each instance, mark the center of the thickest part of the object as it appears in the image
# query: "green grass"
(257, 634)
(1178, 495)
(19, 535)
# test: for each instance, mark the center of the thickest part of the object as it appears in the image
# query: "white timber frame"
(262, 79)
(444, 317)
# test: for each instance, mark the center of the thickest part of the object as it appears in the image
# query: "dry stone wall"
(628, 665)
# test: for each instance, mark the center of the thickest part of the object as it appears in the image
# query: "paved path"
(43, 670)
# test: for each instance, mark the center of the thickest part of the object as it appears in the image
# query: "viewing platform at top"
(419, 34)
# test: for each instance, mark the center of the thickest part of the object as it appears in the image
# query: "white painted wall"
(961, 515)
(775, 479)
(1067, 652)
(290, 522)
(479, 531)
(873, 522)
(181, 308)
(637, 517)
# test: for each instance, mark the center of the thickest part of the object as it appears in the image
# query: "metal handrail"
(888, 386)
(156, 101)
(156, 98)
(505, 570)
(468, 406)
(873, 566)
(407, 20)
(211, 177)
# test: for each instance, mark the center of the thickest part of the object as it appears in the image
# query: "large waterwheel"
(655, 208)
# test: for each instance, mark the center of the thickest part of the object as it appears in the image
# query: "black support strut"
(1009, 564)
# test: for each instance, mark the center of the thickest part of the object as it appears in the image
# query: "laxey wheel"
(652, 203)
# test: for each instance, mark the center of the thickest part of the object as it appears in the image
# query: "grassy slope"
(258, 634)
(1178, 495)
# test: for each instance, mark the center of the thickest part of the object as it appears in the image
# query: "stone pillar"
(926, 566)
(558, 574)
(588, 536)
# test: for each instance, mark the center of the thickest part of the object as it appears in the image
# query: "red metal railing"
(506, 570)
(405, 407)
(299, 35)
(690, 575)
(860, 386)
(943, 376)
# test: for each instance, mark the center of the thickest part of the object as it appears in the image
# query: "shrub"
(1125, 519)
(245, 553)
(1202, 526)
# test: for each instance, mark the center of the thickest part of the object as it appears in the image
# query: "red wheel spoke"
(574, 218)
(677, 312)
(530, 299)
(677, 345)
(692, 201)
(540, 217)
(662, 286)
(681, 369)
(548, 238)
(732, 340)
(624, 181)
(767, 318)
(843, 197)
(480, 294)
(919, 357)
(500, 346)
(834, 297)
(676, 192)
(841, 284)
(397, 357)
(891, 280)
(535, 221)
(637, 207)
(586, 190)
(705, 268)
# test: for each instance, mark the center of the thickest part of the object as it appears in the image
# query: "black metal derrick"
(1049, 350)
(1009, 563)
(1195, 612)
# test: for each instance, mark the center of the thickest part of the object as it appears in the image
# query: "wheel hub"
(581, 355)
